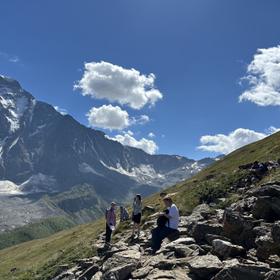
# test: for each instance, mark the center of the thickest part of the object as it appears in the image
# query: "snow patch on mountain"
(144, 173)
(9, 188)
(86, 168)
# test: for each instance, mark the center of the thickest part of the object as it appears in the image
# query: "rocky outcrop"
(214, 244)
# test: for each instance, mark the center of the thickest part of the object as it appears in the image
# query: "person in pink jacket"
(110, 222)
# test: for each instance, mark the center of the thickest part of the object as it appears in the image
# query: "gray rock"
(210, 237)
(121, 264)
(200, 229)
(89, 273)
(238, 228)
(205, 266)
(267, 208)
(175, 274)
(252, 271)
(141, 273)
(225, 249)
(266, 247)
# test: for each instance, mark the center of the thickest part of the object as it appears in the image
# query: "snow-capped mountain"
(43, 151)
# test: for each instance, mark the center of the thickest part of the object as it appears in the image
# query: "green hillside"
(37, 230)
(41, 257)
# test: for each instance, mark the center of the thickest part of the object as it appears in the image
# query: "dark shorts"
(136, 218)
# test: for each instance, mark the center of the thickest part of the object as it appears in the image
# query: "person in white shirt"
(168, 223)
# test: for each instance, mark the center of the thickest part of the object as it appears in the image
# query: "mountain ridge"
(46, 153)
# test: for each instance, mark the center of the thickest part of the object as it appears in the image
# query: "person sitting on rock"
(136, 215)
(167, 224)
(124, 216)
(110, 222)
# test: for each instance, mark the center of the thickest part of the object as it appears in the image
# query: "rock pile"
(240, 242)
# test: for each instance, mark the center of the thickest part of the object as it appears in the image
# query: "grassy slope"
(41, 255)
(38, 259)
(37, 230)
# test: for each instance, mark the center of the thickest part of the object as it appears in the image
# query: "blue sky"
(198, 51)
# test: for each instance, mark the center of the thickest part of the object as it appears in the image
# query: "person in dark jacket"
(124, 216)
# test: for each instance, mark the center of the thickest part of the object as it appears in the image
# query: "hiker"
(167, 224)
(136, 215)
(124, 216)
(110, 222)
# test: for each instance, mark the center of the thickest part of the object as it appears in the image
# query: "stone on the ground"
(254, 271)
(225, 249)
(89, 273)
(200, 229)
(176, 274)
(121, 264)
(205, 266)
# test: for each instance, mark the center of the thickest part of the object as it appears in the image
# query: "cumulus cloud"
(113, 117)
(263, 76)
(224, 144)
(61, 110)
(127, 139)
(108, 117)
(103, 80)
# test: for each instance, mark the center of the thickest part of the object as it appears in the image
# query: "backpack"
(162, 220)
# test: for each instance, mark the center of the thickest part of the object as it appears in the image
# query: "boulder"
(182, 251)
(254, 271)
(266, 247)
(182, 241)
(267, 208)
(225, 249)
(121, 264)
(121, 272)
(238, 228)
(205, 266)
(272, 190)
(200, 229)
(210, 237)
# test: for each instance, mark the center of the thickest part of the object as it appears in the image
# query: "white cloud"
(263, 75)
(224, 144)
(143, 119)
(151, 135)
(127, 139)
(61, 110)
(108, 117)
(10, 58)
(103, 80)
(113, 117)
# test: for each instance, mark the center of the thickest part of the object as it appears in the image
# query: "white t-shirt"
(174, 217)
